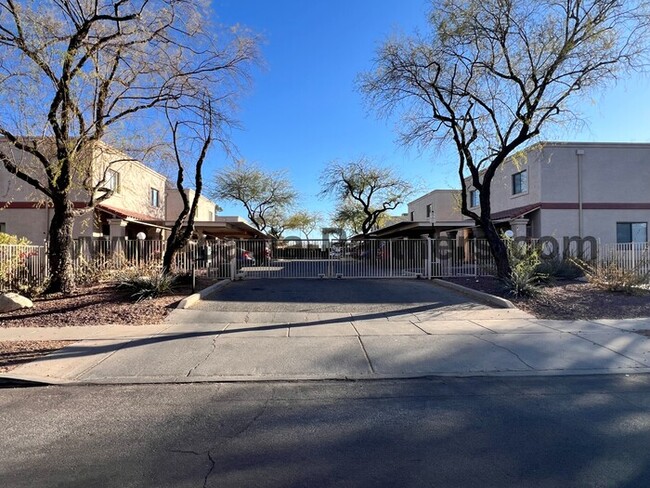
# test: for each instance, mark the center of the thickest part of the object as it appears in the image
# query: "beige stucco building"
(137, 204)
(552, 189)
(142, 202)
(560, 190)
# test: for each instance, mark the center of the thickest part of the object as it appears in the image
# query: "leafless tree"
(77, 72)
(265, 195)
(490, 75)
(364, 190)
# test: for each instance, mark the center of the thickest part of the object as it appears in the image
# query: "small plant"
(611, 276)
(560, 269)
(524, 276)
(145, 286)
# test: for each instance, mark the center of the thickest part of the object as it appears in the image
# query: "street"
(507, 431)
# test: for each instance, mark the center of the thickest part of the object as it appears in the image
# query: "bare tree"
(192, 136)
(370, 189)
(264, 195)
(74, 73)
(304, 221)
(491, 74)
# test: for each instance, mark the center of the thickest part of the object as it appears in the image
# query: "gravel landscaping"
(569, 300)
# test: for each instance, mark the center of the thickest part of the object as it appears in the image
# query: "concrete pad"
(386, 328)
(546, 352)
(70, 362)
(19, 333)
(296, 356)
(287, 317)
(404, 355)
(574, 325)
(626, 324)
(437, 327)
(331, 316)
(329, 329)
(192, 329)
(477, 314)
(515, 326)
(190, 316)
(256, 330)
(628, 344)
(151, 357)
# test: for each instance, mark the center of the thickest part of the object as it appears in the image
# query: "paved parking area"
(337, 296)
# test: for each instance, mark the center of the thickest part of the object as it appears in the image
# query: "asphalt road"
(482, 432)
(332, 295)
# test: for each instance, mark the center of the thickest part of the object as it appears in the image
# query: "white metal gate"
(353, 258)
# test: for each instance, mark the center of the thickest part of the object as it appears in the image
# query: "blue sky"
(303, 109)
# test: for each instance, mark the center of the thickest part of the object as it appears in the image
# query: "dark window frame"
(629, 232)
(518, 180)
(474, 198)
(154, 197)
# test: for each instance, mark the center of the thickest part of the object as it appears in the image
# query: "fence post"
(390, 256)
(429, 255)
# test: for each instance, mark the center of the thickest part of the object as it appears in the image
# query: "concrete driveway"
(332, 295)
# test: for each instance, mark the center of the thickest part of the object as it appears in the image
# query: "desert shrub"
(524, 276)
(611, 276)
(559, 268)
(17, 271)
(143, 286)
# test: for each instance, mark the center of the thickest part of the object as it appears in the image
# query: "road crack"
(506, 349)
(196, 453)
(214, 347)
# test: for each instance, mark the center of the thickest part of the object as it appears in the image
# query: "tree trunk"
(60, 248)
(497, 248)
(174, 244)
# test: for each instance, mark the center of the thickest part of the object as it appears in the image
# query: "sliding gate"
(372, 258)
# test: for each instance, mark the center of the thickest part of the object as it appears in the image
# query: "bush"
(524, 262)
(145, 286)
(17, 271)
(560, 268)
(611, 276)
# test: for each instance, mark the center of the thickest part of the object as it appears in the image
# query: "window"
(155, 197)
(428, 210)
(412, 216)
(520, 182)
(112, 180)
(474, 200)
(210, 216)
(3, 227)
(627, 232)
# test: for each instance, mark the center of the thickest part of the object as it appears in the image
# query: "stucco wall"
(174, 206)
(444, 204)
(136, 182)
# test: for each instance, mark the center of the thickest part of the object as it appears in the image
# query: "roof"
(514, 213)
(127, 214)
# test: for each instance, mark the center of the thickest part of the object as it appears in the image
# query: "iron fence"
(352, 258)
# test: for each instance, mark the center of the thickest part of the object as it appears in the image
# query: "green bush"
(145, 286)
(524, 276)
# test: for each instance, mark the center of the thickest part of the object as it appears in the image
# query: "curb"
(187, 302)
(478, 295)
(36, 381)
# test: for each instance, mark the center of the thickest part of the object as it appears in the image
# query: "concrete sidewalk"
(196, 346)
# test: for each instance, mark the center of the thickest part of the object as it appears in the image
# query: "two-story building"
(136, 205)
(551, 189)
(566, 189)
(143, 201)
(431, 215)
